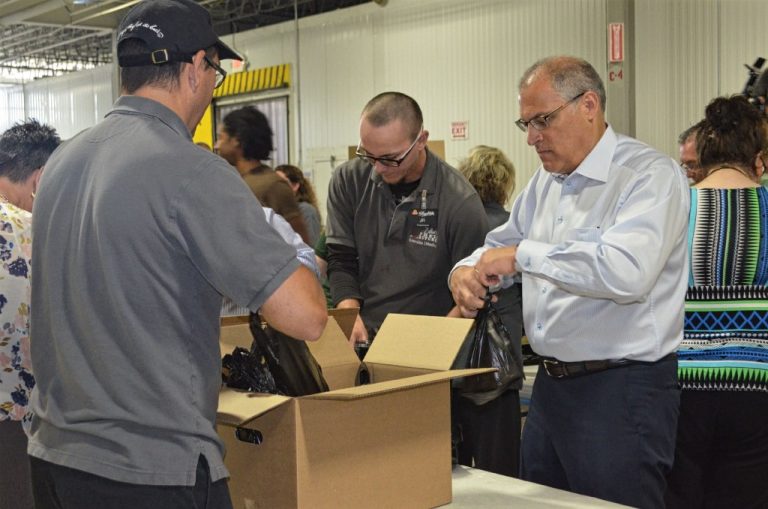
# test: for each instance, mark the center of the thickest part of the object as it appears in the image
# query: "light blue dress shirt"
(602, 254)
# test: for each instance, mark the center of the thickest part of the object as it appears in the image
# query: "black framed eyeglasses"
(387, 161)
(220, 73)
(541, 122)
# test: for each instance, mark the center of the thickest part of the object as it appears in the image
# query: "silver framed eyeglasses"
(541, 122)
(220, 73)
(387, 161)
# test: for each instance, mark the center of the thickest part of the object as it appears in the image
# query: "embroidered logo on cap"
(140, 24)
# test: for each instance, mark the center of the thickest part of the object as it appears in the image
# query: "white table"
(478, 489)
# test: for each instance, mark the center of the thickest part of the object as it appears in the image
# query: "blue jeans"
(609, 434)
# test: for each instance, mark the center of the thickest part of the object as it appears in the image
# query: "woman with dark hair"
(721, 459)
(305, 194)
(24, 149)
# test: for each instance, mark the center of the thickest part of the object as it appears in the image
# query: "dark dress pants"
(489, 434)
(721, 459)
(15, 481)
(57, 487)
(609, 435)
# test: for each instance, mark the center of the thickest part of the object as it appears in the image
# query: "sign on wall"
(615, 42)
(459, 130)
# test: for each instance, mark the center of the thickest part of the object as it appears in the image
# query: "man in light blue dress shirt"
(598, 238)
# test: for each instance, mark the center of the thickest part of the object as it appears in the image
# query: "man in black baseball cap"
(141, 233)
(173, 31)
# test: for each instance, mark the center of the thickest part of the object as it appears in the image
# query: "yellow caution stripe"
(266, 78)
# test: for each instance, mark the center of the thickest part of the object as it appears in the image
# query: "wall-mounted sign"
(615, 42)
(459, 130)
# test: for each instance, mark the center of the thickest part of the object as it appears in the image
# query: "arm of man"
(345, 290)
(467, 286)
(343, 266)
(622, 260)
(297, 307)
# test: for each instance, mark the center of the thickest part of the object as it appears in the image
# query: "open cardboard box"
(385, 444)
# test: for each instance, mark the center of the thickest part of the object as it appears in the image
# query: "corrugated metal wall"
(688, 52)
(70, 103)
(461, 60)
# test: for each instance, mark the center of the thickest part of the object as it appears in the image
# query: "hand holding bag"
(489, 345)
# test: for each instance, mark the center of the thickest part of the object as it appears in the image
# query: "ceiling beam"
(32, 12)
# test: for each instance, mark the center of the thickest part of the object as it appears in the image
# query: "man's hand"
(470, 284)
(359, 331)
(468, 291)
(494, 263)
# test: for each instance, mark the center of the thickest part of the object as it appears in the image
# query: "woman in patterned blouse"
(24, 148)
(721, 458)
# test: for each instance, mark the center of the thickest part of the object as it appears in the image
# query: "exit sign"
(459, 130)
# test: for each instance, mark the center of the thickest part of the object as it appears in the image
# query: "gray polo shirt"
(138, 233)
(405, 251)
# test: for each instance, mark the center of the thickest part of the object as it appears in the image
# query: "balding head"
(569, 76)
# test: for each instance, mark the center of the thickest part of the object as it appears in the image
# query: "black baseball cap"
(173, 31)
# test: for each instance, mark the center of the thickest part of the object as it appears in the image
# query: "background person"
(244, 139)
(24, 149)
(492, 175)
(689, 160)
(489, 424)
(305, 194)
(606, 314)
(721, 459)
(139, 234)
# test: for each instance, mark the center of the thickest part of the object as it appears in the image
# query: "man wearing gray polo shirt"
(139, 234)
(398, 219)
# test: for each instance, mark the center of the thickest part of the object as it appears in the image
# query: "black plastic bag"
(295, 370)
(247, 371)
(489, 345)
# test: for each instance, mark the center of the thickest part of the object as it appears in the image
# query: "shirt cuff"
(531, 255)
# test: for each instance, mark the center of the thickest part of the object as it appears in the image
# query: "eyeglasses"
(541, 122)
(387, 161)
(220, 73)
(690, 166)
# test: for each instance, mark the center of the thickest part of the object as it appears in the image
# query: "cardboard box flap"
(345, 317)
(365, 391)
(332, 348)
(426, 342)
(238, 407)
(235, 335)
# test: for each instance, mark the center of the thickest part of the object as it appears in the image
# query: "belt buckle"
(548, 363)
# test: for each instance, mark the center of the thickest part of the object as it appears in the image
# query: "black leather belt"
(560, 369)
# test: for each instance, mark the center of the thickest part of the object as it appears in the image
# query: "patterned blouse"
(725, 343)
(16, 381)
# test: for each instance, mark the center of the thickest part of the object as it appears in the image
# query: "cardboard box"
(386, 444)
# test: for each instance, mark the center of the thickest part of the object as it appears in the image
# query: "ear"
(36, 179)
(759, 165)
(195, 70)
(590, 104)
(424, 138)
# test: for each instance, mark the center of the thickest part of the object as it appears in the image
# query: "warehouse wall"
(70, 103)
(461, 60)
